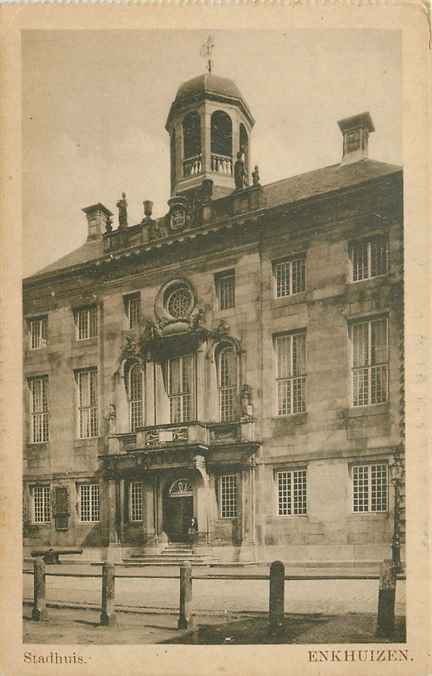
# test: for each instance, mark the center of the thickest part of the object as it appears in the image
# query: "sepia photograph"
(213, 340)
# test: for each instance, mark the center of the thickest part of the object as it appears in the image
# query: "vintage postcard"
(215, 304)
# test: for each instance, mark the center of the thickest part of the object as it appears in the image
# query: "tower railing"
(192, 166)
(221, 164)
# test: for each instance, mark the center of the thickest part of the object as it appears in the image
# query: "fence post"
(108, 616)
(386, 599)
(39, 612)
(185, 620)
(277, 595)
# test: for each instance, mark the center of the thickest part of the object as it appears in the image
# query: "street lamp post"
(396, 478)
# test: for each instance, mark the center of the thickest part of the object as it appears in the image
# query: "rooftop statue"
(122, 207)
(240, 172)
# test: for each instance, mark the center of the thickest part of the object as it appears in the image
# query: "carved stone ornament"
(178, 218)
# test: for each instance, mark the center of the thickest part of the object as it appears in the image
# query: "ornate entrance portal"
(178, 510)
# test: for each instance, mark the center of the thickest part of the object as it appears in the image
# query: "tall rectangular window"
(291, 373)
(370, 361)
(87, 403)
(228, 496)
(369, 258)
(41, 504)
(89, 503)
(38, 332)
(291, 486)
(133, 310)
(370, 488)
(180, 374)
(227, 377)
(225, 287)
(289, 276)
(39, 409)
(86, 322)
(136, 397)
(136, 496)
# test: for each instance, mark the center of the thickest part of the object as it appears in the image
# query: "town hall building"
(226, 378)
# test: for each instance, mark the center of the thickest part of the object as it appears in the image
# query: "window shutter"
(61, 507)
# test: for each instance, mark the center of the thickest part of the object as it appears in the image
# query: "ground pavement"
(157, 589)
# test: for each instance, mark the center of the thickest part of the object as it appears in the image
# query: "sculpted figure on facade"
(122, 207)
(240, 172)
(246, 405)
(256, 176)
(111, 419)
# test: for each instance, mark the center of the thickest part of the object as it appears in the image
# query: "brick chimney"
(355, 131)
(98, 219)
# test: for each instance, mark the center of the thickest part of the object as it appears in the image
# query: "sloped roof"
(87, 252)
(327, 179)
(286, 191)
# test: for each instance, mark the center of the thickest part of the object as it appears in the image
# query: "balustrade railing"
(221, 164)
(192, 166)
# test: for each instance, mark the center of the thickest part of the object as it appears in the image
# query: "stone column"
(248, 505)
(235, 116)
(122, 507)
(200, 383)
(150, 402)
(122, 403)
(206, 138)
(149, 529)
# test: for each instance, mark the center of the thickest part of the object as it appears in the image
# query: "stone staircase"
(173, 554)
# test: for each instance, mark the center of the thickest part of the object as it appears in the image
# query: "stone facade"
(181, 460)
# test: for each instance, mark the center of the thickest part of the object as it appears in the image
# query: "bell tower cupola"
(209, 124)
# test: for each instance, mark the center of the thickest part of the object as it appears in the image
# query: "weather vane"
(206, 52)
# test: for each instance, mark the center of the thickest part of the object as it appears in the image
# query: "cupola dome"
(209, 123)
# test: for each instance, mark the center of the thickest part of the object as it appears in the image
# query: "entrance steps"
(174, 554)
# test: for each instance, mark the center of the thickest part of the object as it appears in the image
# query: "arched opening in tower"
(221, 143)
(192, 161)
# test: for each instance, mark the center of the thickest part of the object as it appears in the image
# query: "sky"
(95, 105)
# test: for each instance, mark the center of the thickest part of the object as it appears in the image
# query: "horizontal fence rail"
(275, 579)
(219, 576)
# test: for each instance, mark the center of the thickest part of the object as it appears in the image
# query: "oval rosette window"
(175, 302)
(179, 302)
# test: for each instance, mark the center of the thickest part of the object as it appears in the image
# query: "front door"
(178, 510)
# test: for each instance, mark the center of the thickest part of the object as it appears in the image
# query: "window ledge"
(369, 515)
(85, 342)
(364, 411)
(377, 278)
(300, 297)
(85, 442)
(38, 444)
(295, 418)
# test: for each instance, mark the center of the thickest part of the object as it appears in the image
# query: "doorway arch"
(178, 508)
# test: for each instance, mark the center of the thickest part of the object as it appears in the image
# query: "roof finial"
(206, 52)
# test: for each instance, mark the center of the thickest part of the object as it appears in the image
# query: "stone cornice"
(258, 217)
